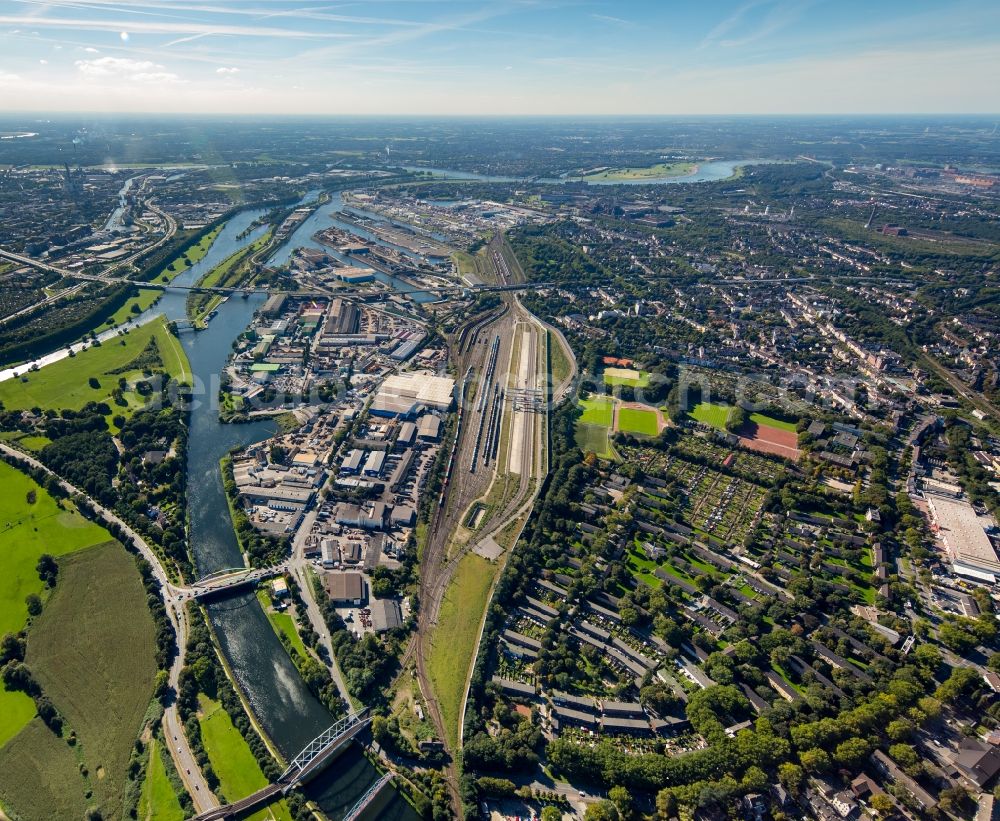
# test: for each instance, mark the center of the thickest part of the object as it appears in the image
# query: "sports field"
(637, 420)
(597, 411)
(710, 414)
(594, 438)
(158, 801)
(65, 384)
(93, 651)
(626, 377)
(238, 771)
(774, 422)
(454, 639)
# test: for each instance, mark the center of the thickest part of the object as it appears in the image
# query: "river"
(286, 709)
(325, 217)
(709, 171)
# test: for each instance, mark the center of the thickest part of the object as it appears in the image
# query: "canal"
(286, 709)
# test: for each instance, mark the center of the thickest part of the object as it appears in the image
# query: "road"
(173, 599)
(299, 567)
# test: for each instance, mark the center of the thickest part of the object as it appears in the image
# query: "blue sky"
(501, 56)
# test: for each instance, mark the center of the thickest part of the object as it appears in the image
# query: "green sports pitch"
(637, 420)
(626, 377)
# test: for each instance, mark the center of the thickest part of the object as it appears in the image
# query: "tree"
(907, 758)
(666, 804)
(882, 803)
(551, 813)
(34, 604)
(601, 811)
(815, 760)
(852, 752)
(900, 729)
(791, 777)
(622, 800)
(94, 383)
(47, 569)
(380, 729)
(12, 648)
(162, 687)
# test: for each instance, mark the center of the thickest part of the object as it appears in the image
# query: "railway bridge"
(314, 758)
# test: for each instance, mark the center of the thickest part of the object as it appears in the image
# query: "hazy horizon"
(505, 58)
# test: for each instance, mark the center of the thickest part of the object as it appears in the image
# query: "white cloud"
(91, 50)
(8, 78)
(227, 70)
(44, 62)
(124, 68)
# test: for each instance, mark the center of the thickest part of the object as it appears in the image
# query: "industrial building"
(345, 588)
(964, 534)
(403, 394)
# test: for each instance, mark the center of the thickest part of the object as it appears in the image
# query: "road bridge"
(230, 579)
(317, 754)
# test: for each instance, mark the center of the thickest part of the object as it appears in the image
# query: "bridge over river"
(316, 756)
(347, 293)
(231, 579)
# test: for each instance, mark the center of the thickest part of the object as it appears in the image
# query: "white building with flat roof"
(402, 394)
(964, 534)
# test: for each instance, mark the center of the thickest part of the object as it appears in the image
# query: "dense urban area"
(485, 469)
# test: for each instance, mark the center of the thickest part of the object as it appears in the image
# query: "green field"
(27, 531)
(773, 422)
(633, 420)
(594, 438)
(597, 411)
(453, 642)
(158, 801)
(40, 776)
(182, 262)
(93, 650)
(663, 170)
(559, 362)
(65, 384)
(238, 771)
(16, 710)
(283, 623)
(228, 273)
(626, 377)
(710, 414)
(25, 441)
(145, 298)
(643, 568)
